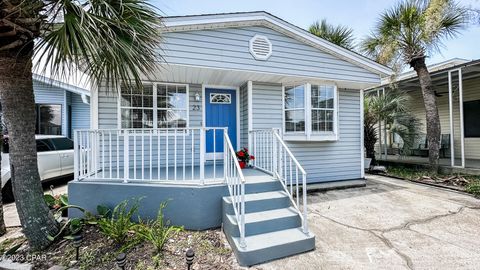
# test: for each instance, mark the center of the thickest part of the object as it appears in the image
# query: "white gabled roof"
(431, 68)
(75, 81)
(212, 21)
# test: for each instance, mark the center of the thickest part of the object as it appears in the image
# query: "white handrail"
(236, 185)
(273, 156)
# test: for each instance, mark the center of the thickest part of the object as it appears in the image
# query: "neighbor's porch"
(458, 100)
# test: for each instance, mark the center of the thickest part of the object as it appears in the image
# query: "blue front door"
(220, 111)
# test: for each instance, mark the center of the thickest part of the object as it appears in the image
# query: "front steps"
(272, 226)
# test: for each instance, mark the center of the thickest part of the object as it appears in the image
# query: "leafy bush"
(158, 231)
(72, 226)
(119, 224)
(474, 188)
(56, 201)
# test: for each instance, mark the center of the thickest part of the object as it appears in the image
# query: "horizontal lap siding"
(323, 161)
(108, 108)
(228, 48)
(471, 91)
(49, 94)
(108, 119)
(80, 113)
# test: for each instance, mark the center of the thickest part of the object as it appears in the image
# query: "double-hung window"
(310, 112)
(156, 105)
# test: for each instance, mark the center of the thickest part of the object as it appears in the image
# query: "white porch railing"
(236, 185)
(166, 155)
(273, 156)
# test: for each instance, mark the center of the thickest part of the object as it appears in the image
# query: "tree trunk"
(18, 104)
(3, 228)
(431, 109)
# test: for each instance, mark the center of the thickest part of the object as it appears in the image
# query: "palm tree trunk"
(431, 109)
(3, 228)
(18, 104)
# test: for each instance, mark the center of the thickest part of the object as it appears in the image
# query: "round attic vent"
(260, 47)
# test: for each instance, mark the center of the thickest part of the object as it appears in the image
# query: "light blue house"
(230, 81)
(60, 107)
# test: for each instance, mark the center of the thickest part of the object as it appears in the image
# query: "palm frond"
(412, 29)
(112, 42)
(339, 35)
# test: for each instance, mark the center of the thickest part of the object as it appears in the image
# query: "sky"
(360, 15)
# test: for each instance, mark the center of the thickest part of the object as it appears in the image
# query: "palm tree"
(407, 34)
(391, 109)
(339, 35)
(111, 41)
(3, 228)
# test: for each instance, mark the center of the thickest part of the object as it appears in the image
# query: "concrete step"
(262, 185)
(270, 246)
(263, 222)
(257, 202)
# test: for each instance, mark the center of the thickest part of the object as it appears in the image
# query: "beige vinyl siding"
(471, 91)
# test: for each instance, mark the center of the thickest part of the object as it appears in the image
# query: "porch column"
(450, 112)
(452, 127)
(460, 99)
(250, 113)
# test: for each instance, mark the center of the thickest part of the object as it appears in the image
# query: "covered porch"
(456, 85)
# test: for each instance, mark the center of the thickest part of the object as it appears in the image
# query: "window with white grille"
(260, 47)
(216, 98)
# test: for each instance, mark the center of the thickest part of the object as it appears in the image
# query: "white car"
(55, 160)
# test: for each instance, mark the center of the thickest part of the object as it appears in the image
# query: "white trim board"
(199, 22)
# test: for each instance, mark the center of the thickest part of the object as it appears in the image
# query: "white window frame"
(308, 134)
(155, 105)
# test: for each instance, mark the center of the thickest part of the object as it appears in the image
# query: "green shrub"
(474, 188)
(158, 231)
(56, 201)
(119, 224)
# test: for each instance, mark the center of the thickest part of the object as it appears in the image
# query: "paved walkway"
(390, 224)
(10, 210)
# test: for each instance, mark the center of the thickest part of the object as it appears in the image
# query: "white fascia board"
(210, 21)
(65, 86)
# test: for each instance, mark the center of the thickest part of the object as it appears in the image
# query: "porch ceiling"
(224, 77)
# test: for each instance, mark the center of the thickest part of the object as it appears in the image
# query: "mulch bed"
(455, 182)
(97, 252)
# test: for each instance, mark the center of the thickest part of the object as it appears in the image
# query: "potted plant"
(244, 157)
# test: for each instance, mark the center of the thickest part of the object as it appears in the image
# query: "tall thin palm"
(339, 35)
(110, 41)
(408, 33)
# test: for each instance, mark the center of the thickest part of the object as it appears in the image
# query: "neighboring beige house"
(457, 84)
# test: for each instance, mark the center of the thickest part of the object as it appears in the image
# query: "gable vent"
(260, 47)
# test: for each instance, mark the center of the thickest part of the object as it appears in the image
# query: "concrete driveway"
(390, 224)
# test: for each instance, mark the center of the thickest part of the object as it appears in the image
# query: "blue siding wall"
(80, 113)
(48, 94)
(229, 49)
(323, 161)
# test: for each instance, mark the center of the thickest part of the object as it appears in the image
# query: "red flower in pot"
(244, 157)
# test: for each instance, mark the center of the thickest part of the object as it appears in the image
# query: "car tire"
(7, 193)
